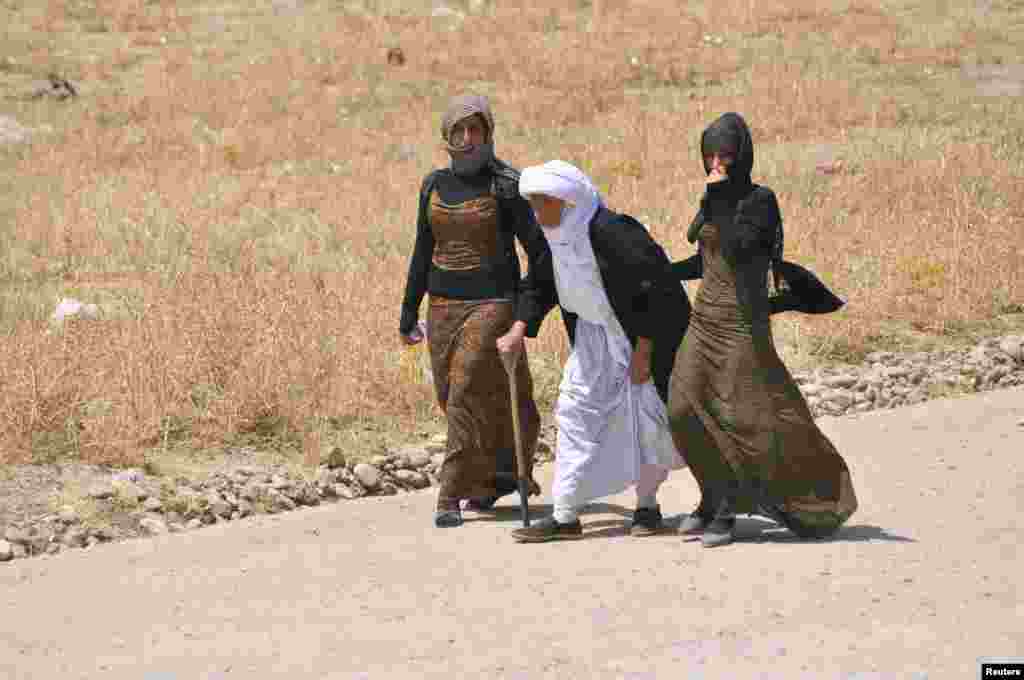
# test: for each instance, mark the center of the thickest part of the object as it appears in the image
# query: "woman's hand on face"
(716, 175)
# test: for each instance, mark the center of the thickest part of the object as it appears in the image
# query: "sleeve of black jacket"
(639, 266)
(749, 228)
(537, 294)
(419, 264)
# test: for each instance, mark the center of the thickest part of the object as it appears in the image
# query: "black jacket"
(644, 293)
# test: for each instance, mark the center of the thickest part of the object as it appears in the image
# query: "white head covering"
(577, 276)
(567, 182)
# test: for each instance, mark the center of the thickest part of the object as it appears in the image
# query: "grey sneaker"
(718, 532)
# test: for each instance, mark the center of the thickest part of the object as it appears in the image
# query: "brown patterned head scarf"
(468, 161)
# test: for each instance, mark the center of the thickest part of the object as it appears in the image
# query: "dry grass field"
(236, 185)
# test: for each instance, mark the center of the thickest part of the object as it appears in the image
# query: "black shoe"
(549, 529)
(696, 521)
(720, 530)
(646, 522)
(447, 519)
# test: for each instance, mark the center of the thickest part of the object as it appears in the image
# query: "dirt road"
(923, 582)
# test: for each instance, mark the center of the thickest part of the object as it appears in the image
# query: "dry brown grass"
(236, 189)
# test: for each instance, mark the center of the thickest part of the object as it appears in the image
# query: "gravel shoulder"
(47, 509)
(922, 582)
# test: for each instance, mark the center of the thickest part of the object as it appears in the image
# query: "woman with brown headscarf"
(469, 217)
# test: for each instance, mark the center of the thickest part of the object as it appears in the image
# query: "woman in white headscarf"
(626, 315)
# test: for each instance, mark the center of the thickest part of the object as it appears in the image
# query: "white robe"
(607, 426)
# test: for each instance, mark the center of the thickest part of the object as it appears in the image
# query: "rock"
(252, 492)
(54, 87)
(880, 357)
(838, 399)
(18, 551)
(105, 533)
(194, 523)
(6, 551)
(101, 492)
(327, 477)
(128, 475)
(419, 458)
(979, 355)
(155, 525)
(367, 475)
(13, 132)
(395, 56)
(53, 549)
(996, 374)
(1013, 347)
(71, 308)
(218, 507)
(279, 483)
(412, 478)
(345, 491)
(437, 459)
(92, 541)
(16, 535)
(131, 491)
(842, 381)
(812, 389)
(336, 459)
(1020, 423)
(443, 12)
(245, 508)
(74, 538)
(896, 372)
(278, 502)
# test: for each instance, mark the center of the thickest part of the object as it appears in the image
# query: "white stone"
(368, 475)
(153, 526)
(6, 551)
(13, 132)
(70, 307)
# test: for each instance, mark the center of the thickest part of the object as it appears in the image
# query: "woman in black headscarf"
(749, 436)
(469, 217)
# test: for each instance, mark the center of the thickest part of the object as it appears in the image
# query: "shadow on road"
(749, 529)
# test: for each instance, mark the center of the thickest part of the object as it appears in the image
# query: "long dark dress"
(465, 259)
(735, 411)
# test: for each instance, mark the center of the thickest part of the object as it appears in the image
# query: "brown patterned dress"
(473, 282)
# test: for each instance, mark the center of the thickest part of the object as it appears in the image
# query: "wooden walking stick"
(510, 360)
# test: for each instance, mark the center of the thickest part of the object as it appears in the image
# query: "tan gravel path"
(924, 580)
